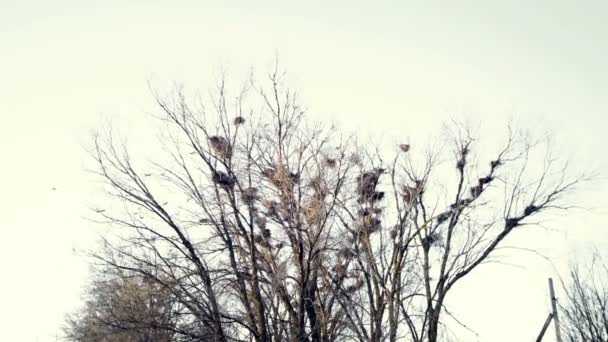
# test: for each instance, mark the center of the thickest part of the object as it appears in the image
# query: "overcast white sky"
(392, 68)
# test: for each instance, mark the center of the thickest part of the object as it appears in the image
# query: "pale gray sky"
(393, 68)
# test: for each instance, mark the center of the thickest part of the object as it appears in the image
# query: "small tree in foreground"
(124, 308)
(584, 308)
(264, 227)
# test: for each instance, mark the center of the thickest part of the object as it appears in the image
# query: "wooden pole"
(544, 329)
(558, 335)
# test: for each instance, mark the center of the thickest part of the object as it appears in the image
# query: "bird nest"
(239, 120)
(249, 195)
(314, 211)
(366, 186)
(260, 221)
(223, 179)
(331, 162)
(411, 193)
(281, 177)
(220, 146)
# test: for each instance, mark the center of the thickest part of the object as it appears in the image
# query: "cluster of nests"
(366, 186)
(475, 192)
(463, 202)
(281, 178)
(222, 149)
(285, 180)
(368, 216)
(368, 195)
(482, 182)
(513, 222)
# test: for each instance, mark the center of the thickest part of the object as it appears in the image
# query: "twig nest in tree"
(354, 286)
(281, 177)
(511, 223)
(330, 162)
(530, 209)
(404, 147)
(249, 195)
(460, 164)
(370, 224)
(224, 180)
(495, 163)
(350, 288)
(314, 211)
(239, 120)
(366, 183)
(268, 172)
(411, 193)
(340, 269)
(430, 240)
(220, 146)
(485, 180)
(260, 221)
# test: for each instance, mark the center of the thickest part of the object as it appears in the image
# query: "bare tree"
(485, 205)
(584, 310)
(437, 231)
(268, 228)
